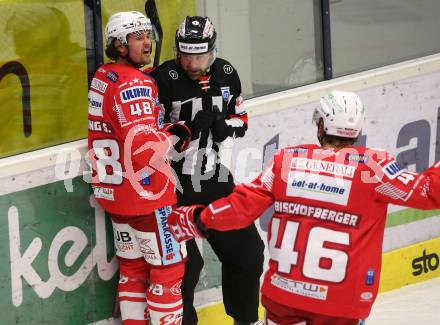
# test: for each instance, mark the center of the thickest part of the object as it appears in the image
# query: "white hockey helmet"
(342, 112)
(123, 23)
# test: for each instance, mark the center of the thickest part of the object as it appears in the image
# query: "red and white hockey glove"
(184, 223)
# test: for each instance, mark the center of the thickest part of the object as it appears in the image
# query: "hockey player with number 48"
(132, 179)
(325, 237)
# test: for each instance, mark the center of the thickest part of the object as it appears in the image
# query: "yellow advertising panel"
(43, 74)
(412, 264)
(43, 67)
(171, 14)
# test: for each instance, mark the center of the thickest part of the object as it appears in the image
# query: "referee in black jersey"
(204, 92)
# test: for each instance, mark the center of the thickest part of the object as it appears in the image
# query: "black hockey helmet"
(196, 35)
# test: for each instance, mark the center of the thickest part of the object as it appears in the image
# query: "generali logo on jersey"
(135, 93)
(323, 166)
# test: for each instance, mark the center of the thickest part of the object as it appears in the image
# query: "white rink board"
(395, 111)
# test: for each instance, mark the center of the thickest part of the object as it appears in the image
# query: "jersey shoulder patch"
(223, 67)
(166, 72)
(300, 149)
(112, 76)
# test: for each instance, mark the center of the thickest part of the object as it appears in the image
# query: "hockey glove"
(182, 135)
(184, 223)
(219, 129)
(202, 121)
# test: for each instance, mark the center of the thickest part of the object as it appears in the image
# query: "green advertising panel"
(57, 262)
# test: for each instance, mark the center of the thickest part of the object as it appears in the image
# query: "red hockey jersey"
(127, 151)
(325, 237)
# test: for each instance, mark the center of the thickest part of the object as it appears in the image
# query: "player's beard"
(144, 58)
(194, 75)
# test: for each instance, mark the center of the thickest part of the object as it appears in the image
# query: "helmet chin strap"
(213, 57)
(320, 138)
(320, 132)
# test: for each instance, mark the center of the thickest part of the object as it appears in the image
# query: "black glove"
(219, 129)
(183, 135)
(202, 121)
(199, 223)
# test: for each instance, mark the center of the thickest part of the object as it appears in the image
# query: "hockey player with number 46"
(325, 237)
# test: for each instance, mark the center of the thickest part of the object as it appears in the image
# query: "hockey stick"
(151, 11)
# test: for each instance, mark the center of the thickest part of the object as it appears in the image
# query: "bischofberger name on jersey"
(323, 166)
(301, 288)
(334, 216)
(135, 93)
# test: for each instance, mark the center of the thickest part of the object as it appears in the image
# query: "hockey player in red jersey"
(132, 179)
(325, 237)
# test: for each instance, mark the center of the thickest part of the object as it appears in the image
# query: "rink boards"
(57, 250)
